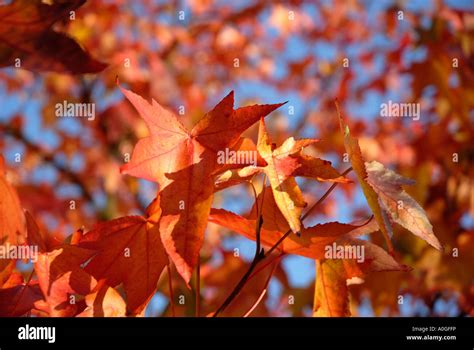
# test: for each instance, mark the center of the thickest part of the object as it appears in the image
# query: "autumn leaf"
(239, 158)
(355, 156)
(182, 168)
(401, 208)
(60, 276)
(170, 147)
(106, 302)
(331, 297)
(282, 165)
(18, 297)
(286, 192)
(59, 272)
(26, 35)
(34, 235)
(222, 126)
(317, 168)
(311, 243)
(160, 152)
(129, 252)
(183, 163)
(12, 222)
(303, 165)
(185, 206)
(18, 300)
(412, 99)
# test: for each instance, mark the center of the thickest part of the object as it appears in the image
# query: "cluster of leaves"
(133, 251)
(117, 266)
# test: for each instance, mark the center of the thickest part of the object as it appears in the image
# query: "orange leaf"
(106, 302)
(318, 169)
(221, 127)
(287, 194)
(60, 275)
(331, 296)
(311, 243)
(12, 221)
(35, 237)
(129, 252)
(162, 150)
(184, 165)
(355, 156)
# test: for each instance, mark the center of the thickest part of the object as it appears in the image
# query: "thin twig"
(274, 260)
(259, 255)
(255, 195)
(49, 157)
(264, 291)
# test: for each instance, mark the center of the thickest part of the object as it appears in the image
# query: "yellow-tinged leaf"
(106, 302)
(331, 297)
(285, 190)
(355, 156)
(401, 208)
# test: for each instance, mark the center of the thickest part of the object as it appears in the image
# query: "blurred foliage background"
(192, 53)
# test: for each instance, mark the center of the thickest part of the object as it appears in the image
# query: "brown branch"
(259, 254)
(49, 158)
